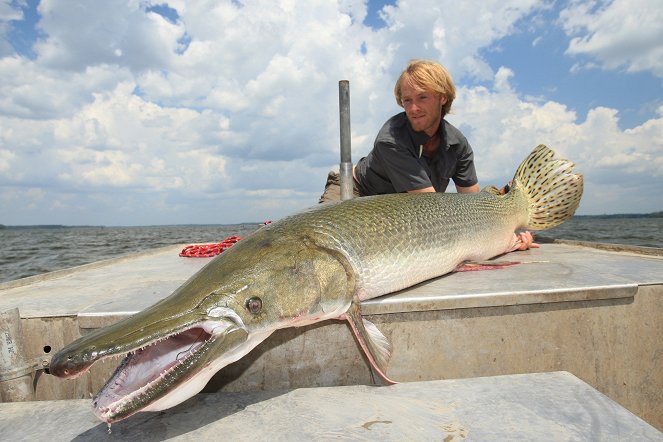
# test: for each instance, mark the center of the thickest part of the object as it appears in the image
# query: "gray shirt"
(396, 163)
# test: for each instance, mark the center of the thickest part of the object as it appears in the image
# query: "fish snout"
(66, 364)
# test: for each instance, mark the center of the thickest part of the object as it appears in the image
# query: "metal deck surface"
(533, 407)
(106, 290)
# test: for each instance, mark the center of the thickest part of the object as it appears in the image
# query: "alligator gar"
(312, 266)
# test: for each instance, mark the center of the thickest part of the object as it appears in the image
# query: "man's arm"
(472, 189)
(424, 190)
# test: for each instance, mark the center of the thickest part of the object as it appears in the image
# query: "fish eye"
(254, 305)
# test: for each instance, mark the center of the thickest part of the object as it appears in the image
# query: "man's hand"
(524, 241)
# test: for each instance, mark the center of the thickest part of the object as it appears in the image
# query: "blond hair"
(427, 75)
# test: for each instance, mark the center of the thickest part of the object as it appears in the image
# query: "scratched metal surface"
(542, 406)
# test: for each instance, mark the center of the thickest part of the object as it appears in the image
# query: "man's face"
(423, 108)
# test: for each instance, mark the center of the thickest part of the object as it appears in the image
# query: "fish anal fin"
(375, 345)
(472, 266)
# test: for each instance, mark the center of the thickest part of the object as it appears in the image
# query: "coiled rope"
(208, 250)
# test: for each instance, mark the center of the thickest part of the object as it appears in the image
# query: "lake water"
(32, 251)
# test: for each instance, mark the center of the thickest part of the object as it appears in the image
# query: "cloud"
(503, 128)
(619, 34)
(453, 31)
(228, 112)
(114, 32)
(32, 91)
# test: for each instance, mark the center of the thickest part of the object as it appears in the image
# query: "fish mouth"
(167, 371)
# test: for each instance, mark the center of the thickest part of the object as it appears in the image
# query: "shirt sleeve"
(466, 174)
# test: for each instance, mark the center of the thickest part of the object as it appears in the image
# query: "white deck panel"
(533, 407)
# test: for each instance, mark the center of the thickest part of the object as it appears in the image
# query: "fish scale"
(429, 234)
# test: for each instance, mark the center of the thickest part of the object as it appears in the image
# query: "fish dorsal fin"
(376, 346)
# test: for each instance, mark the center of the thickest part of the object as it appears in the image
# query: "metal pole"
(346, 150)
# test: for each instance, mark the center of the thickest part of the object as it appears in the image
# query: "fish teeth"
(117, 402)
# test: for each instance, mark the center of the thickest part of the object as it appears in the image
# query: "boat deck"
(595, 313)
(544, 406)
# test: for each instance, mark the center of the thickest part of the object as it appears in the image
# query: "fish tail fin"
(552, 189)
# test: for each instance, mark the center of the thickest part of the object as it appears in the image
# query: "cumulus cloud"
(621, 167)
(211, 111)
(453, 31)
(113, 32)
(619, 34)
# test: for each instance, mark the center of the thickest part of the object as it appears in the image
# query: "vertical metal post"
(346, 149)
(15, 370)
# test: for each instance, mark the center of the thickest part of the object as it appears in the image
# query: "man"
(417, 150)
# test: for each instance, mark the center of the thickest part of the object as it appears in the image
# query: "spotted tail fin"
(551, 187)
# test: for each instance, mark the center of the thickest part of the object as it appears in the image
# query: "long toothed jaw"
(165, 372)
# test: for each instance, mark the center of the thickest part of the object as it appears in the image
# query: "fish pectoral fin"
(375, 345)
(471, 266)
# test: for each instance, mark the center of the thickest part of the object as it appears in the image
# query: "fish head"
(220, 314)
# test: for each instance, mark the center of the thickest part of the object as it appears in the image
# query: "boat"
(569, 340)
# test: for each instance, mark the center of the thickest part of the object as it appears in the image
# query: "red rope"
(208, 250)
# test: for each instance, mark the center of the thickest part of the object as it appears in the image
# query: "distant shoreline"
(62, 226)
(624, 215)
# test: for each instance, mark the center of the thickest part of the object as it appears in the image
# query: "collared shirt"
(397, 163)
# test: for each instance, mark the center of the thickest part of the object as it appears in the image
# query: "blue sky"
(126, 112)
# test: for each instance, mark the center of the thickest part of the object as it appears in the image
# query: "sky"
(139, 112)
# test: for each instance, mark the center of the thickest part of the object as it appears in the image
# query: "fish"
(315, 265)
